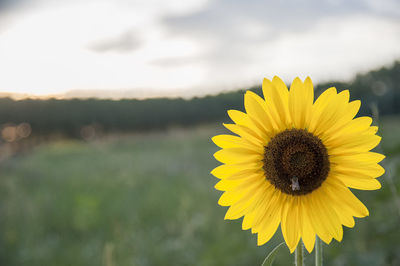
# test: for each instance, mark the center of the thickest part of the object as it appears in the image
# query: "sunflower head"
(292, 161)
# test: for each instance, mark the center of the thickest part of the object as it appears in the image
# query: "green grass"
(148, 199)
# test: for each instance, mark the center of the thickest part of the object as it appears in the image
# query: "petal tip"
(213, 171)
(378, 185)
(291, 249)
(309, 248)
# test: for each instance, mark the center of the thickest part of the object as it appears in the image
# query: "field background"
(148, 199)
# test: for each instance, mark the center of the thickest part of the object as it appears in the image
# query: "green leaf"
(271, 256)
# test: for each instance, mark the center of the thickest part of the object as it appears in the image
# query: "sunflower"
(293, 160)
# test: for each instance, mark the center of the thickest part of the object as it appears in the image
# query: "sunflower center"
(296, 162)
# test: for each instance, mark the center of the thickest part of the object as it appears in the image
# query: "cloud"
(243, 37)
(10, 5)
(5, 4)
(126, 42)
(225, 16)
(229, 24)
(174, 61)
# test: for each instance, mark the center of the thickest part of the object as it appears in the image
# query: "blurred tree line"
(69, 117)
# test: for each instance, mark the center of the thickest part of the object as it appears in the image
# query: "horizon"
(120, 94)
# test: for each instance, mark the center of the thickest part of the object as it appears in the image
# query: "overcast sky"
(173, 47)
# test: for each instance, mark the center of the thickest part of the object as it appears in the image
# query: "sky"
(155, 48)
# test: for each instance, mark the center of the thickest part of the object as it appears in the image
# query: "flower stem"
(318, 252)
(298, 255)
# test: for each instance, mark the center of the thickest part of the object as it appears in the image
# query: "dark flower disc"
(296, 162)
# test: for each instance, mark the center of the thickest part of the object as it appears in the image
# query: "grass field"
(148, 199)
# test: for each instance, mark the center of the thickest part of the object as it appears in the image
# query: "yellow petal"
(372, 171)
(269, 228)
(346, 220)
(350, 111)
(328, 216)
(248, 220)
(229, 141)
(237, 155)
(346, 198)
(358, 124)
(372, 130)
(366, 158)
(353, 144)
(315, 219)
(255, 108)
(301, 97)
(290, 222)
(242, 180)
(243, 119)
(282, 98)
(307, 231)
(228, 198)
(227, 170)
(226, 185)
(344, 213)
(240, 191)
(277, 97)
(246, 175)
(238, 184)
(319, 106)
(239, 118)
(271, 200)
(358, 183)
(346, 95)
(331, 113)
(308, 99)
(270, 222)
(238, 210)
(354, 127)
(246, 203)
(247, 134)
